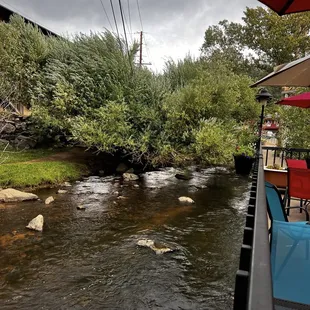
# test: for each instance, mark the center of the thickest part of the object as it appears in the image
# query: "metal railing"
(253, 287)
(279, 154)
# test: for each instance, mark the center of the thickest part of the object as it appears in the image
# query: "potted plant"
(244, 158)
(245, 149)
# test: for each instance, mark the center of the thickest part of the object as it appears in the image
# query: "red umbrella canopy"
(302, 101)
(287, 6)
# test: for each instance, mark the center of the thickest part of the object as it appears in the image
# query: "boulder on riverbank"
(13, 195)
(155, 246)
(36, 223)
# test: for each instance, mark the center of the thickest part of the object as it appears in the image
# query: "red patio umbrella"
(287, 6)
(302, 101)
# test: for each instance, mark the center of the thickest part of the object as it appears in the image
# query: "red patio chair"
(298, 185)
(296, 163)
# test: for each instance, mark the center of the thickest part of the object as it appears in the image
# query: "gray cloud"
(172, 27)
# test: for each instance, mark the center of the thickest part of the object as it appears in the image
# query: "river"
(89, 259)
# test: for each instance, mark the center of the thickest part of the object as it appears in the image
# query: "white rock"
(67, 184)
(158, 249)
(136, 186)
(145, 243)
(49, 200)
(186, 200)
(81, 207)
(121, 197)
(13, 195)
(130, 177)
(36, 223)
(62, 191)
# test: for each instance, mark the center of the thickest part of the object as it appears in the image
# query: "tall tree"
(263, 39)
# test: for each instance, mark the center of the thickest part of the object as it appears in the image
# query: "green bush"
(214, 142)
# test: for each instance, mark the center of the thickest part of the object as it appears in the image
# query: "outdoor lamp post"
(262, 97)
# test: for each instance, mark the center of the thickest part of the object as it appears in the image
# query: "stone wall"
(14, 130)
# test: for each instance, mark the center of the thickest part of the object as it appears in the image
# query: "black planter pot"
(243, 164)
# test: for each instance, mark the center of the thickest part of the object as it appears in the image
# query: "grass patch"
(27, 155)
(37, 174)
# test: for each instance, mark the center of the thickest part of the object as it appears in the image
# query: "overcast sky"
(172, 28)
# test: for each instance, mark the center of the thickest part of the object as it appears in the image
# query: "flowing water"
(89, 259)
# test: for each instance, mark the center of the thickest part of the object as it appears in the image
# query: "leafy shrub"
(214, 142)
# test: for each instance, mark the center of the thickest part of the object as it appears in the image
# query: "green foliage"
(244, 150)
(214, 143)
(295, 127)
(10, 157)
(89, 91)
(39, 173)
(262, 41)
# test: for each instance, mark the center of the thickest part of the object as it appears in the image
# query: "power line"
(106, 14)
(119, 40)
(129, 14)
(122, 16)
(139, 14)
(130, 25)
(125, 19)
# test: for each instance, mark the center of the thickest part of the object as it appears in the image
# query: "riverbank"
(40, 168)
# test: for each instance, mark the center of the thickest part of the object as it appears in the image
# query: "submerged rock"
(81, 207)
(13, 195)
(136, 186)
(153, 245)
(181, 176)
(121, 168)
(62, 191)
(36, 223)
(49, 200)
(121, 197)
(184, 199)
(130, 177)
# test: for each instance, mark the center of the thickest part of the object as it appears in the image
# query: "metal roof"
(6, 13)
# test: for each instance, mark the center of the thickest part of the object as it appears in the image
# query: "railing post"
(253, 287)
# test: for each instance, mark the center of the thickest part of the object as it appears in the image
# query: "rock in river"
(13, 195)
(130, 177)
(184, 199)
(156, 247)
(36, 223)
(61, 191)
(182, 176)
(49, 200)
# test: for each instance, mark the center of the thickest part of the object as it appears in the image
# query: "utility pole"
(141, 43)
(141, 63)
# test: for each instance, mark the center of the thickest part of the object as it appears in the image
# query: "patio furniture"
(296, 163)
(298, 185)
(275, 206)
(290, 265)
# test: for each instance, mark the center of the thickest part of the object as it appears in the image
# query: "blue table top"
(290, 261)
